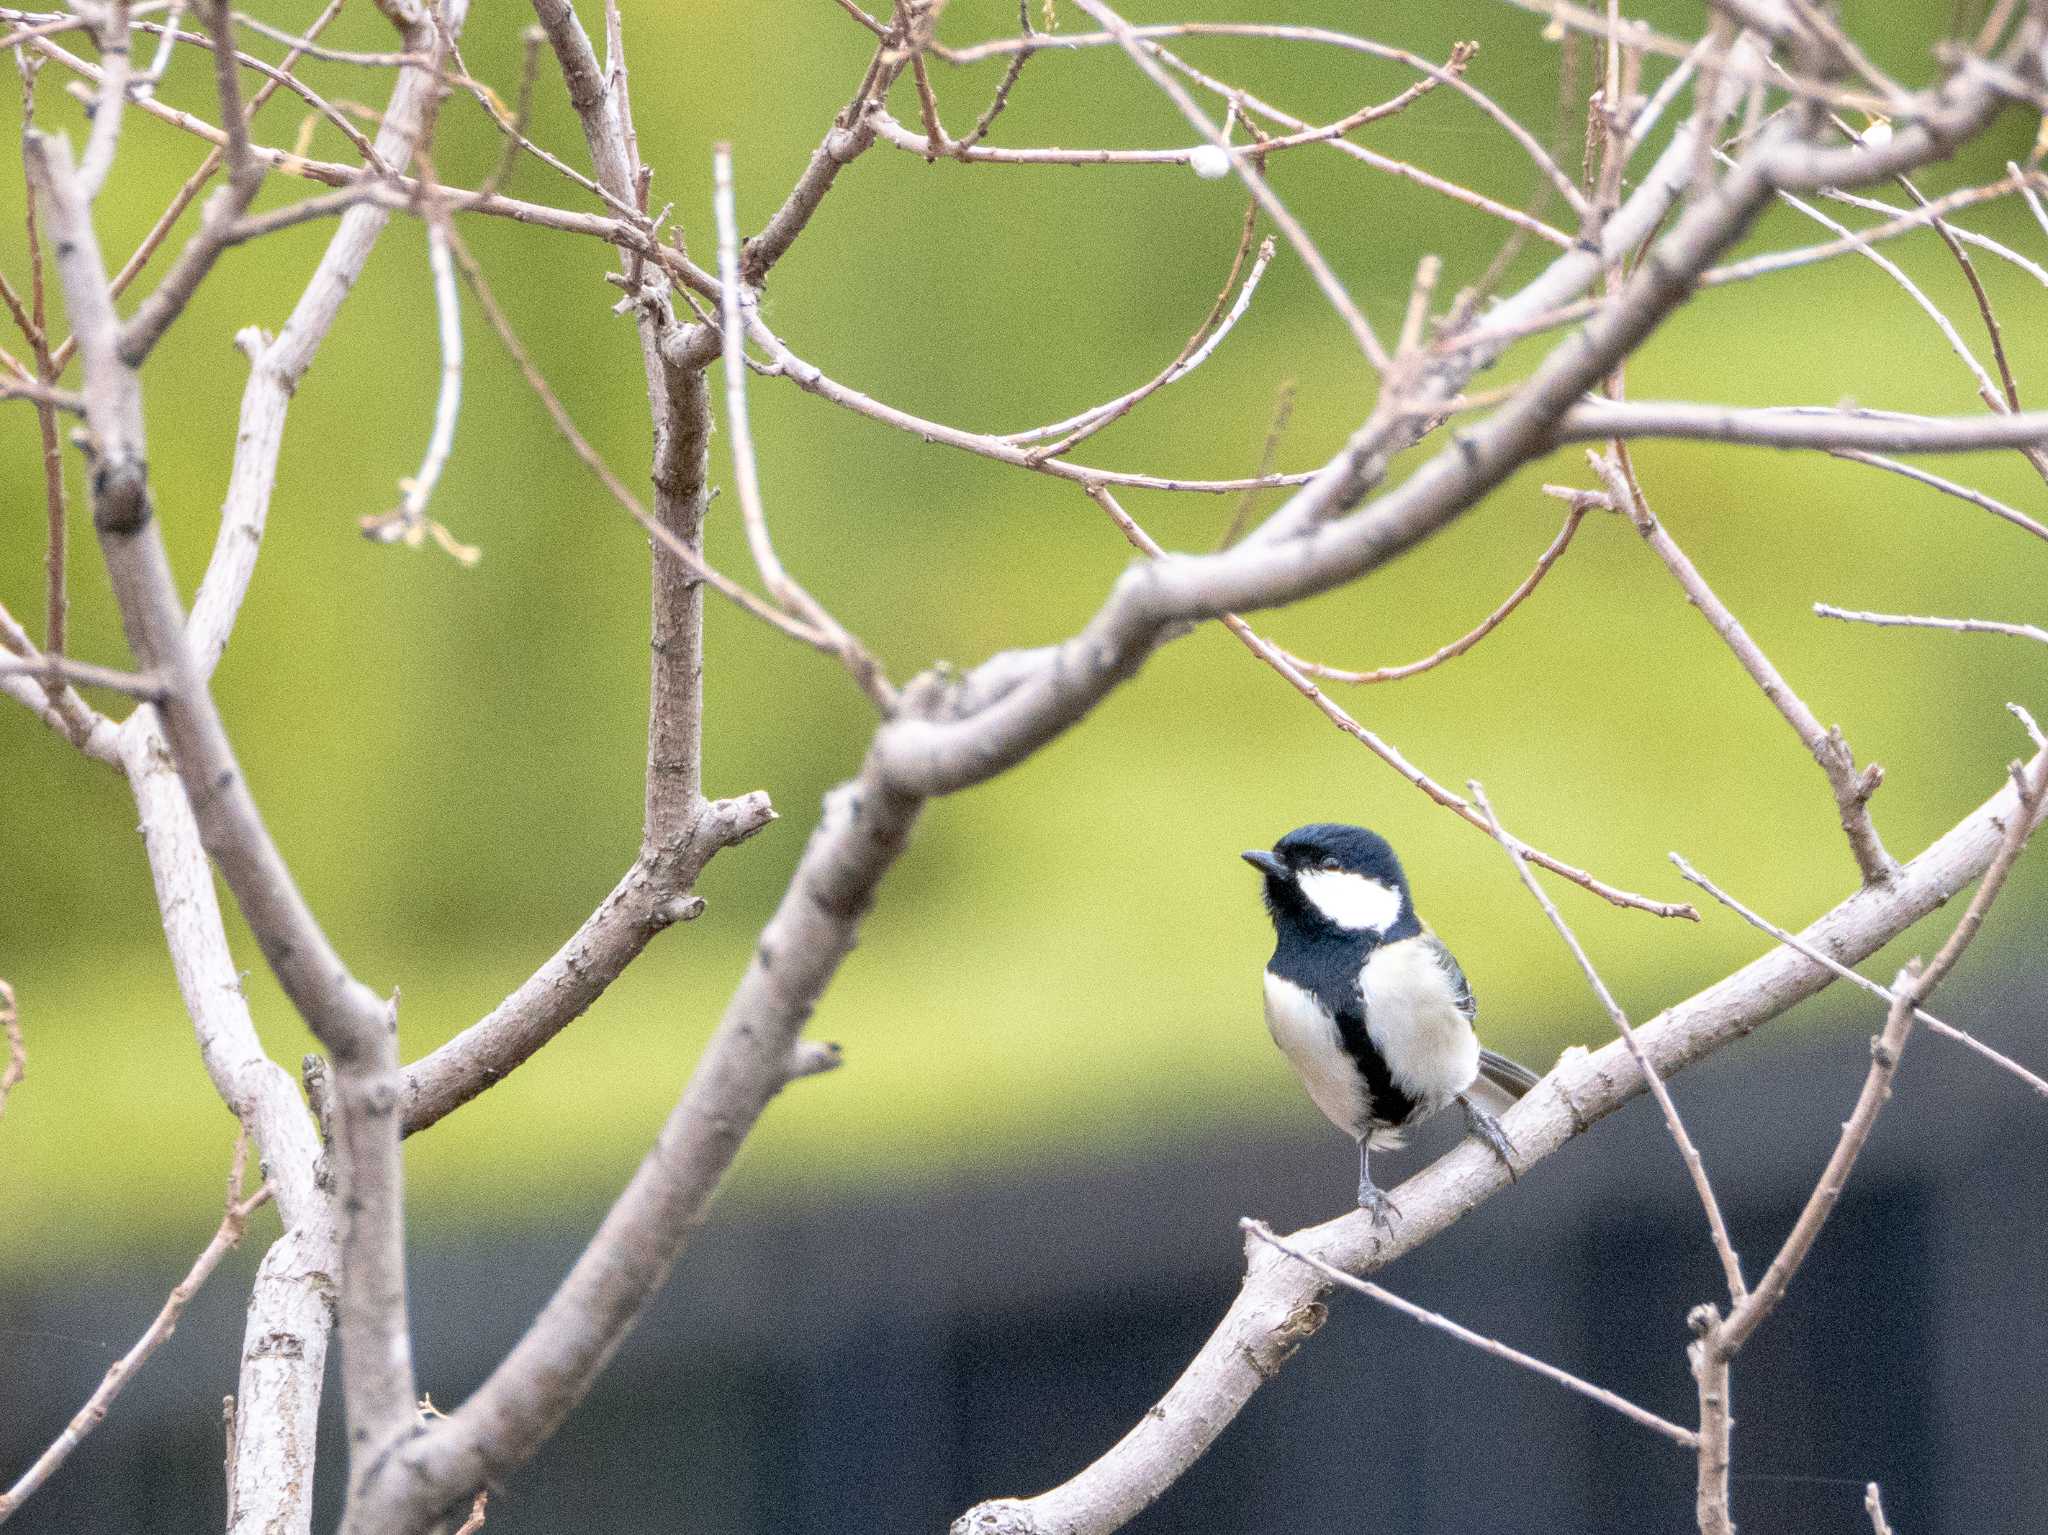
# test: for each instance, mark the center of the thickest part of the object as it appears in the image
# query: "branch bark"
(1279, 1305)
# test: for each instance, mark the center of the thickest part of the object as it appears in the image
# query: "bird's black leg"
(1487, 1128)
(1371, 1197)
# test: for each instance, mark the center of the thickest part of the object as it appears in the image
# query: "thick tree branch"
(1278, 1307)
(1800, 426)
(276, 368)
(681, 830)
(245, 175)
(751, 1056)
(652, 896)
(357, 1030)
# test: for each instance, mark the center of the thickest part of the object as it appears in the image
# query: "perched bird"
(1367, 1003)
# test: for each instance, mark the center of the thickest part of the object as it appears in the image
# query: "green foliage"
(1065, 965)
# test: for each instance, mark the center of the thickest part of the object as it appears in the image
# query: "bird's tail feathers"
(1501, 1082)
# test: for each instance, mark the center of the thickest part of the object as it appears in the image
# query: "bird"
(1367, 1003)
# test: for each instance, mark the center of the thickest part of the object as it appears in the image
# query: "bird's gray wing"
(1461, 989)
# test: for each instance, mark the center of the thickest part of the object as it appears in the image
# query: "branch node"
(683, 908)
(813, 1057)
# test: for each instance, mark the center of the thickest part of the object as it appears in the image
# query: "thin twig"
(35, 328)
(531, 40)
(785, 589)
(1852, 787)
(55, 399)
(1464, 642)
(1685, 1438)
(1800, 426)
(409, 523)
(558, 413)
(303, 43)
(1197, 350)
(1912, 988)
(62, 668)
(475, 1521)
(1001, 99)
(1696, 1169)
(1271, 654)
(1956, 625)
(1326, 279)
(89, 1417)
(196, 182)
(1269, 454)
(1997, 508)
(1884, 993)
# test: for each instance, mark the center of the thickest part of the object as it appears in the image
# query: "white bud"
(1209, 162)
(1877, 135)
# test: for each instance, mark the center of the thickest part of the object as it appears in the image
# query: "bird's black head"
(1329, 876)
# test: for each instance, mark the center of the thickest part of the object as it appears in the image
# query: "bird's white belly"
(1307, 1036)
(1412, 1019)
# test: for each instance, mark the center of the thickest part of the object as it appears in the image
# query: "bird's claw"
(1379, 1204)
(1488, 1130)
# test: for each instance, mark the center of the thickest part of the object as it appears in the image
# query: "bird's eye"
(1329, 865)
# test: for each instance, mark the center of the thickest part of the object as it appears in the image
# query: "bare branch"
(1801, 426)
(1947, 487)
(273, 81)
(1696, 1169)
(644, 903)
(63, 669)
(926, 757)
(115, 65)
(94, 1412)
(1913, 987)
(786, 589)
(1852, 788)
(747, 1062)
(1001, 98)
(1685, 1438)
(1312, 258)
(1857, 978)
(672, 544)
(812, 380)
(1710, 1370)
(245, 176)
(852, 131)
(1276, 1310)
(1278, 659)
(1199, 348)
(343, 1013)
(1466, 641)
(1956, 625)
(409, 523)
(41, 394)
(277, 367)
(894, 133)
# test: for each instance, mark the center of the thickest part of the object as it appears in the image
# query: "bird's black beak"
(1266, 863)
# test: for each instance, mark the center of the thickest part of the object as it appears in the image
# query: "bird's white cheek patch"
(1352, 900)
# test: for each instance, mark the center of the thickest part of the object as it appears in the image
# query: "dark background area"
(883, 1364)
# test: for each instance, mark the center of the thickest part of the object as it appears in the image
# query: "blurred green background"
(1064, 967)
